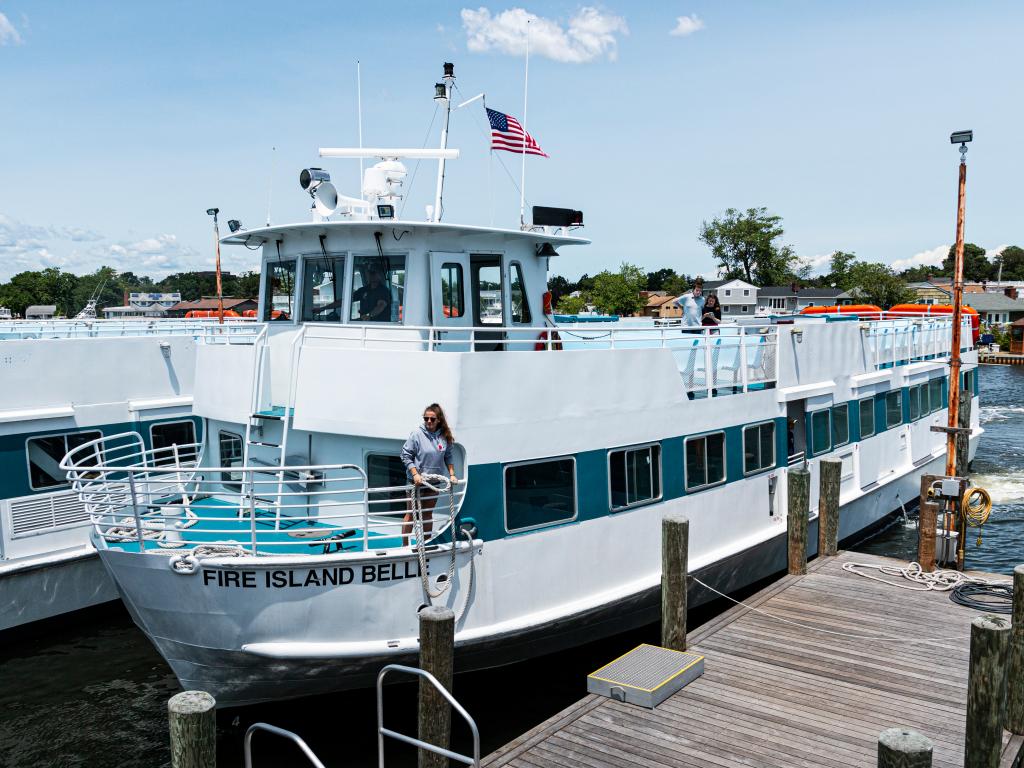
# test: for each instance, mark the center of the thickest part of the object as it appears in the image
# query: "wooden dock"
(777, 694)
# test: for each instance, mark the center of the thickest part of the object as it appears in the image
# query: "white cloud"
(816, 263)
(932, 257)
(8, 34)
(589, 34)
(687, 25)
(151, 255)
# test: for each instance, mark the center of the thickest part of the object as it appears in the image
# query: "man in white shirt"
(693, 304)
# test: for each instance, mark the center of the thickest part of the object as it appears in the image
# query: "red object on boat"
(249, 313)
(843, 309)
(197, 313)
(939, 309)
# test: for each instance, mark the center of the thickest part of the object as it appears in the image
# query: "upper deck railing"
(82, 329)
(901, 339)
(163, 500)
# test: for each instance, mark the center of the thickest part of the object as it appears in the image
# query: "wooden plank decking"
(777, 694)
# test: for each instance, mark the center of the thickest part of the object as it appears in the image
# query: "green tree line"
(70, 292)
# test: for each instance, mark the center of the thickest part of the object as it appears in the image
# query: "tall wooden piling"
(927, 522)
(986, 687)
(1014, 722)
(798, 492)
(903, 748)
(675, 546)
(437, 656)
(193, 724)
(963, 438)
(829, 480)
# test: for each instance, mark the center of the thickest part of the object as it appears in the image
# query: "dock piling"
(963, 438)
(675, 543)
(193, 725)
(904, 748)
(798, 489)
(829, 481)
(986, 688)
(927, 523)
(1015, 661)
(437, 655)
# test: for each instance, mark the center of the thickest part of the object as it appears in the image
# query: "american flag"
(508, 134)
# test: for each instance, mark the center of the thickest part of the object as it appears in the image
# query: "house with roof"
(208, 303)
(995, 308)
(660, 304)
(143, 305)
(737, 297)
(775, 299)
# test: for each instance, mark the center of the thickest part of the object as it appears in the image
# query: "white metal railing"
(284, 734)
(80, 329)
(900, 340)
(164, 499)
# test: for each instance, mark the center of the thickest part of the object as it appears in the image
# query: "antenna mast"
(522, 175)
(443, 92)
(359, 113)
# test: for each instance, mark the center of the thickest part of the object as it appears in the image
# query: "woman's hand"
(454, 479)
(417, 479)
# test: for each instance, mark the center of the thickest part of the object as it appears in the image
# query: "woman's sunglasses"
(430, 419)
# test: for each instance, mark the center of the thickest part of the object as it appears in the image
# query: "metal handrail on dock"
(292, 737)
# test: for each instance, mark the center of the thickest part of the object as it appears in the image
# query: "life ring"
(542, 341)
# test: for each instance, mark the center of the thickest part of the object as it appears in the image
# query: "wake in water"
(995, 413)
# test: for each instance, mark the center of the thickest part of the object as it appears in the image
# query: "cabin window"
(487, 290)
(378, 289)
(540, 493)
(758, 447)
(935, 395)
(705, 460)
(867, 417)
(451, 290)
(163, 438)
(893, 409)
(634, 476)
(840, 425)
(821, 438)
(517, 289)
(322, 296)
(230, 448)
(279, 299)
(384, 471)
(914, 393)
(46, 453)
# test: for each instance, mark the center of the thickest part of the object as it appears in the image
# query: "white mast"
(359, 113)
(443, 91)
(522, 175)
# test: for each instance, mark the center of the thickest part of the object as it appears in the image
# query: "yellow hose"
(976, 507)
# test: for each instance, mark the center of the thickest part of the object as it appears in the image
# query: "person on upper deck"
(692, 304)
(374, 299)
(428, 451)
(712, 312)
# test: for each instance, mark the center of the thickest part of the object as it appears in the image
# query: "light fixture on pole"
(216, 242)
(961, 138)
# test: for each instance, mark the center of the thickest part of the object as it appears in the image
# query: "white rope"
(899, 638)
(417, 530)
(935, 581)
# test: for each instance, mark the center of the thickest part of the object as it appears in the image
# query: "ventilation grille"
(59, 510)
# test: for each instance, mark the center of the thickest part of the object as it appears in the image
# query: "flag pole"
(359, 118)
(522, 175)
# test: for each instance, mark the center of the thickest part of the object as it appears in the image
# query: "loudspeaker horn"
(326, 201)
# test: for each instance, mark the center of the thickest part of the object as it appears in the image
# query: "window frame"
(935, 402)
(446, 267)
(625, 449)
(846, 407)
(828, 431)
(28, 461)
(346, 273)
(370, 489)
(354, 257)
(192, 424)
(525, 310)
(504, 494)
(899, 401)
(228, 483)
(268, 289)
(725, 459)
(762, 467)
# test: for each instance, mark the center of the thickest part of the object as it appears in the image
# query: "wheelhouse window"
(935, 395)
(893, 409)
(279, 297)
(821, 429)
(46, 453)
(486, 290)
(164, 438)
(705, 460)
(322, 282)
(540, 493)
(230, 450)
(452, 290)
(634, 476)
(867, 417)
(758, 447)
(840, 425)
(378, 289)
(517, 290)
(386, 471)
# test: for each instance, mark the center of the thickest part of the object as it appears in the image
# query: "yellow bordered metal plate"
(646, 675)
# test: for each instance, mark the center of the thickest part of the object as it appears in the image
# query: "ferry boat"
(271, 558)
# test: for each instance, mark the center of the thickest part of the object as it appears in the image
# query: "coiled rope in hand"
(417, 530)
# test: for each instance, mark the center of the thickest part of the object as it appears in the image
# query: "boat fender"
(542, 341)
(184, 564)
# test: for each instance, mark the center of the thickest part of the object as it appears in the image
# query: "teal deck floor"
(212, 528)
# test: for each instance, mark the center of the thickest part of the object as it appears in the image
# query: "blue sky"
(123, 122)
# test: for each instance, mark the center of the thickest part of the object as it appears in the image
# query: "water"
(91, 691)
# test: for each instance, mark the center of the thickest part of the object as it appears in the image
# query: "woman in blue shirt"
(428, 451)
